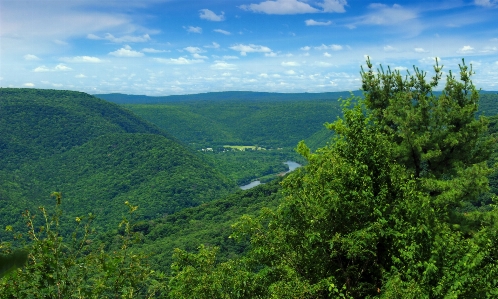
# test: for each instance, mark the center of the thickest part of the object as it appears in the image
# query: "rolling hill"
(98, 155)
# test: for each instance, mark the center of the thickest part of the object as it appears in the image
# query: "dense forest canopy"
(98, 154)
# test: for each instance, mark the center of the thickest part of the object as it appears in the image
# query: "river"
(292, 166)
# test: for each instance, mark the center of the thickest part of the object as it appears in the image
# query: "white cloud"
(384, 15)
(281, 7)
(80, 76)
(271, 54)
(41, 69)
(193, 29)
(30, 57)
(251, 48)
(123, 39)
(322, 64)
(330, 47)
(290, 63)
(29, 85)
(213, 46)
(126, 51)
(180, 60)
(193, 50)
(290, 72)
(306, 48)
(58, 68)
(489, 49)
(389, 48)
(486, 3)
(62, 67)
(206, 14)
(198, 56)
(466, 50)
(228, 57)
(222, 65)
(333, 5)
(326, 54)
(152, 50)
(430, 60)
(81, 59)
(263, 75)
(222, 31)
(312, 22)
(420, 50)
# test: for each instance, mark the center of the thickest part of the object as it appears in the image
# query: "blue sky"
(163, 47)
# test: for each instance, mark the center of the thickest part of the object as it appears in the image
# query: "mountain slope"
(98, 155)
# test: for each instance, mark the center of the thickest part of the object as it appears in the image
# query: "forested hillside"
(98, 155)
(272, 124)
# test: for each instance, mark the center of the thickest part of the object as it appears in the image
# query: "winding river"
(292, 166)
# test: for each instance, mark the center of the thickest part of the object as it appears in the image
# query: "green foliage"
(267, 123)
(208, 224)
(98, 153)
(375, 212)
(75, 267)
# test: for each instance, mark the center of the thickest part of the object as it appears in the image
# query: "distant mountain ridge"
(120, 98)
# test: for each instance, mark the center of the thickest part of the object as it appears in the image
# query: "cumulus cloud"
(198, 56)
(312, 22)
(420, 50)
(126, 51)
(29, 85)
(251, 48)
(62, 67)
(466, 50)
(292, 7)
(58, 68)
(326, 54)
(80, 76)
(280, 7)
(330, 47)
(306, 48)
(193, 50)
(152, 50)
(290, 63)
(77, 59)
(228, 57)
(207, 14)
(122, 39)
(271, 54)
(30, 57)
(193, 29)
(213, 46)
(222, 65)
(222, 31)
(290, 72)
(179, 61)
